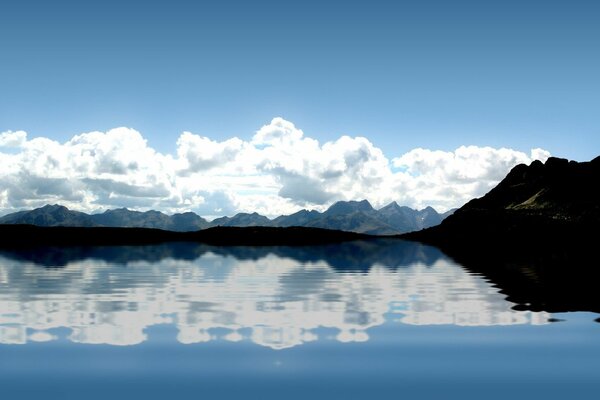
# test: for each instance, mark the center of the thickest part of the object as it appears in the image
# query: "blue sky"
(405, 74)
(433, 74)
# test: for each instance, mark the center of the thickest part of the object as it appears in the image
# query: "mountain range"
(353, 216)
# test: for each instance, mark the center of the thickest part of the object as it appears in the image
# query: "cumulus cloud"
(278, 171)
(279, 131)
(200, 153)
(12, 139)
(450, 178)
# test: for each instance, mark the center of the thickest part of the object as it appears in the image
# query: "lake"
(378, 319)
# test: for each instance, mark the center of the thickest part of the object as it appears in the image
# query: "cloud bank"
(279, 171)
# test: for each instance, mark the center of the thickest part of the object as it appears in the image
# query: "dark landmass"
(30, 236)
(352, 216)
(534, 235)
(535, 206)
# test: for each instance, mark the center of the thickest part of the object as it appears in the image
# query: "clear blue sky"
(405, 74)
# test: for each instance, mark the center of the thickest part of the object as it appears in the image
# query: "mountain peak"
(346, 207)
(53, 207)
(116, 210)
(392, 206)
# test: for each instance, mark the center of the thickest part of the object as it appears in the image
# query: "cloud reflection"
(271, 299)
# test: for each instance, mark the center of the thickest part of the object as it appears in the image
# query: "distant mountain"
(353, 216)
(356, 221)
(242, 219)
(396, 215)
(360, 216)
(123, 217)
(56, 215)
(537, 204)
(300, 218)
(349, 207)
(405, 219)
(49, 215)
(448, 213)
(188, 221)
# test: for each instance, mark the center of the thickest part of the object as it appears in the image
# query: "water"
(383, 319)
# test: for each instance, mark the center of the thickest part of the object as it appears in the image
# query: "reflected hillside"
(275, 297)
(558, 279)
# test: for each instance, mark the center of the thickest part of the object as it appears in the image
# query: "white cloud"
(279, 131)
(448, 179)
(279, 170)
(200, 153)
(12, 139)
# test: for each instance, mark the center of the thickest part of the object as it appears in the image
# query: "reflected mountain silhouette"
(537, 272)
(359, 255)
(554, 279)
(278, 297)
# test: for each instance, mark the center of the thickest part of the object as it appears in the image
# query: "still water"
(384, 319)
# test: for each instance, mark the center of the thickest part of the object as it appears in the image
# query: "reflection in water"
(275, 297)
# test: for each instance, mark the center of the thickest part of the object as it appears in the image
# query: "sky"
(273, 106)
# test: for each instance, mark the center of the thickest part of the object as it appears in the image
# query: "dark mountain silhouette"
(352, 216)
(535, 205)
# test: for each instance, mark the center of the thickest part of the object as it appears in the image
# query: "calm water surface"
(359, 320)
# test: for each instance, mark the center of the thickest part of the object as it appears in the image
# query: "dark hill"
(535, 205)
(30, 236)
